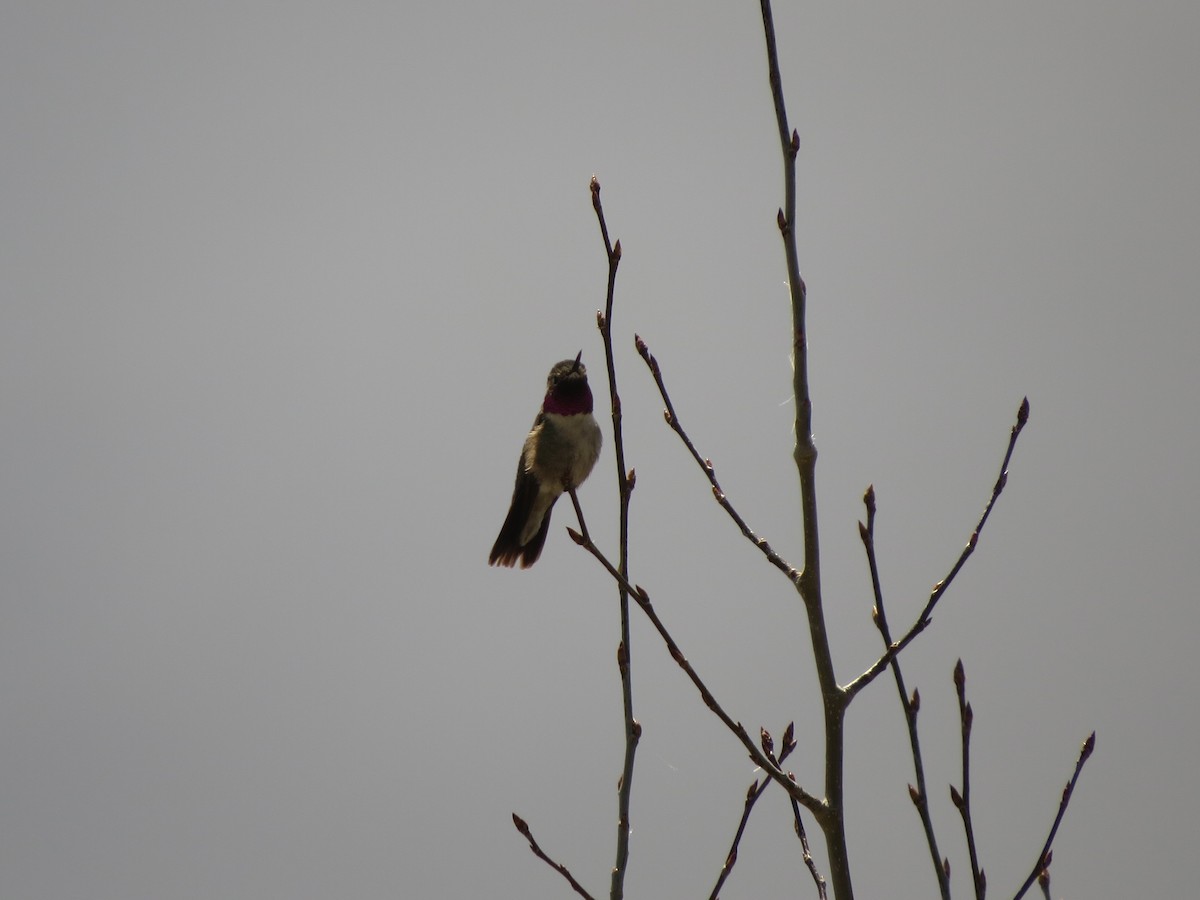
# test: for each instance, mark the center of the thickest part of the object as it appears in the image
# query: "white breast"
(571, 445)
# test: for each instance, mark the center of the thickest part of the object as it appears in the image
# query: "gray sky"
(280, 286)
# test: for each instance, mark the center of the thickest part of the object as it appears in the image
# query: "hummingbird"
(562, 447)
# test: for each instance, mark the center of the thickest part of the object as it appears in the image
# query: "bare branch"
(805, 455)
(562, 870)
(608, 246)
(939, 589)
(814, 805)
(1043, 863)
(752, 795)
(706, 465)
(911, 706)
(888, 657)
(818, 878)
(811, 803)
(756, 790)
(625, 482)
(963, 801)
(806, 451)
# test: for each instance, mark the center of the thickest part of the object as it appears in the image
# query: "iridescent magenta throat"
(568, 404)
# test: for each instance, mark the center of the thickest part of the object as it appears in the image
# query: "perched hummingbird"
(561, 449)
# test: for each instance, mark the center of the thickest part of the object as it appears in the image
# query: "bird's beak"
(577, 359)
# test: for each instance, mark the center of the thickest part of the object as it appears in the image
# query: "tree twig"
(562, 870)
(625, 482)
(911, 706)
(939, 589)
(1043, 863)
(752, 794)
(706, 466)
(808, 583)
(789, 744)
(813, 804)
(817, 877)
(962, 800)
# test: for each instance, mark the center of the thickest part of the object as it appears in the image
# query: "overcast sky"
(279, 288)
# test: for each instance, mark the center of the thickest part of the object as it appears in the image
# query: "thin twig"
(562, 870)
(939, 589)
(893, 650)
(755, 791)
(752, 794)
(707, 467)
(912, 706)
(813, 804)
(1043, 863)
(963, 800)
(818, 878)
(789, 744)
(625, 482)
(578, 513)
(805, 455)
(819, 809)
